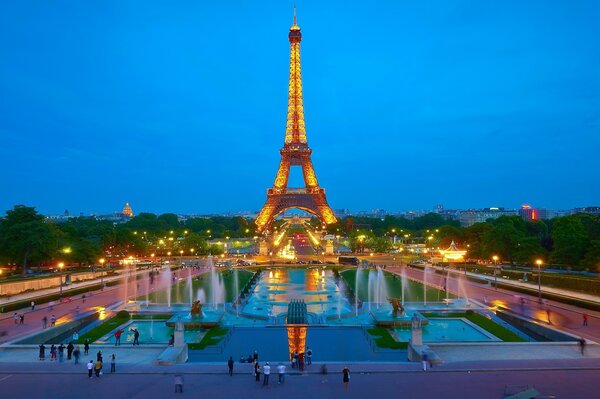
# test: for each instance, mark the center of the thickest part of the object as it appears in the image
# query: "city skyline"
(153, 106)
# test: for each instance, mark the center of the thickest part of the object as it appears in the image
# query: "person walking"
(86, 346)
(99, 356)
(255, 357)
(45, 321)
(294, 359)
(61, 353)
(281, 373)
(309, 354)
(323, 373)
(75, 336)
(424, 360)
(266, 373)
(76, 354)
(52, 321)
(98, 368)
(230, 365)
(70, 348)
(42, 352)
(178, 383)
(32, 306)
(257, 371)
(90, 368)
(582, 343)
(118, 334)
(113, 363)
(22, 318)
(346, 377)
(585, 319)
(16, 317)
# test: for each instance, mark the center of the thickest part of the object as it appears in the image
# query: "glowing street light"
(101, 261)
(60, 267)
(495, 258)
(539, 262)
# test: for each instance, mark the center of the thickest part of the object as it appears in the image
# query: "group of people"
(19, 318)
(45, 321)
(57, 353)
(95, 368)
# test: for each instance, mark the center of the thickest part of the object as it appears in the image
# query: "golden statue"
(396, 305)
(196, 309)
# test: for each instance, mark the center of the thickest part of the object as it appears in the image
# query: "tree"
(25, 237)
(570, 240)
(194, 241)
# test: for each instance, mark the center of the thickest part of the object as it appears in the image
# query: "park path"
(68, 310)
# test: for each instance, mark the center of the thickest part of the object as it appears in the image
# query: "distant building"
(127, 211)
(528, 213)
(592, 210)
(471, 216)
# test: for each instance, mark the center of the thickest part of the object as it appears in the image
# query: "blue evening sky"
(180, 106)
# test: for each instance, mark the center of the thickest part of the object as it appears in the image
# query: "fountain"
(425, 286)
(236, 290)
(196, 310)
(359, 272)
(189, 286)
(377, 289)
(166, 279)
(217, 289)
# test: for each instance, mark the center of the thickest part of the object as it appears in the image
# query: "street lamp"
(102, 260)
(539, 262)
(495, 258)
(60, 267)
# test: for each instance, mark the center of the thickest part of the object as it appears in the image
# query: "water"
(377, 289)
(190, 286)
(167, 281)
(217, 289)
(425, 270)
(357, 280)
(236, 287)
(449, 330)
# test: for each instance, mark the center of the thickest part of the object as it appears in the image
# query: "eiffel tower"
(295, 152)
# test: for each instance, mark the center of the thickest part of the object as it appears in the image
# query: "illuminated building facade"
(295, 152)
(528, 213)
(127, 211)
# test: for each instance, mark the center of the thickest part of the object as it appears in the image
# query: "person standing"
(582, 343)
(86, 346)
(42, 352)
(267, 373)
(113, 363)
(118, 337)
(346, 377)
(70, 348)
(178, 383)
(424, 360)
(99, 356)
(281, 373)
(16, 317)
(585, 319)
(90, 368)
(52, 352)
(230, 365)
(257, 371)
(136, 337)
(32, 306)
(22, 318)
(98, 368)
(294, 359)
(76, 354)
(255, 357)
(52, 321)
(308, 356)
(45, 321)
(75, 336)
(61, 353)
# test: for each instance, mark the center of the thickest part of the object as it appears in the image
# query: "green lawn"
(383, 338)
(110, 324)
(212, 337)
(414, 292)
(180, 291)
(487, 324)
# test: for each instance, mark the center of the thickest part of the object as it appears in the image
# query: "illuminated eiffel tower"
(295, 152)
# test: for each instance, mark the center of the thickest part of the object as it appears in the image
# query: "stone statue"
(196, 309)
(396, 305)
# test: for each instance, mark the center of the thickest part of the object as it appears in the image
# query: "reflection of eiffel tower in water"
(295, 152)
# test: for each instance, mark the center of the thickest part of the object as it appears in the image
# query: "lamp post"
(539, 262)
(60, 267)
(495, 258)
(102, 260)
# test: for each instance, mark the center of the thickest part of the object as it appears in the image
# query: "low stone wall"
(17, 287)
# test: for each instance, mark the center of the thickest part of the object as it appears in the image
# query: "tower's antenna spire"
(295, 16)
